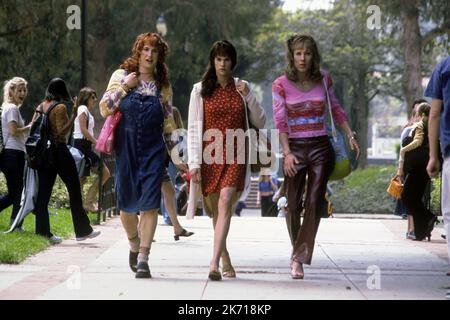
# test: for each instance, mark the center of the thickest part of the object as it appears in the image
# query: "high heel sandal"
(228, 271)
(295, 274)
(430, 228)
(183, 233)
(215, 275)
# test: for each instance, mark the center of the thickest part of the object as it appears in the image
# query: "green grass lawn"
(16, 247)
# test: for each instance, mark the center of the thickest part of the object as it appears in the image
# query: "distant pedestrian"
(413, 161)
(60, 162)
(266, 190)
(84, 139)
(400, 207)
(169, 213)
(12, 157)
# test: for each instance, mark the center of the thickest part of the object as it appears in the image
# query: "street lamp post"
(161, 25)
(83, 44)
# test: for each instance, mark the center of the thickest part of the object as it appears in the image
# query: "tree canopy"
(391, 61)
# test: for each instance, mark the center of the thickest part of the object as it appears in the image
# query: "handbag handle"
(328, 106)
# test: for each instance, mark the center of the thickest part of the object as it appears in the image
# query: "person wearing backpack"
(14, 132)
(59, 161)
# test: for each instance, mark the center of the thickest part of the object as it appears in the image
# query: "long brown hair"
(161, 72)
(84, 95)
(209, 80)
(423, 110)
(302, 40)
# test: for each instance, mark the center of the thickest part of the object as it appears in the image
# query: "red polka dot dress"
(223, 110)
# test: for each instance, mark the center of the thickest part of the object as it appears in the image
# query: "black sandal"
(183, 233)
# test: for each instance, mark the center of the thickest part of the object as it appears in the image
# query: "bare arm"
(84, 130)
(417, 141)
(15, 131)
(433, 137)
(351, 138)
(289, 159)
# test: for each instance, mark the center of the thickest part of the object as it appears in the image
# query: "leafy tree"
(193, 26)
(423, 27)
(364, 63)
(36, 45)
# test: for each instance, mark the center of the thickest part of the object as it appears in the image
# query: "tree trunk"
(412, 44)
(360, 112)
(99, 34)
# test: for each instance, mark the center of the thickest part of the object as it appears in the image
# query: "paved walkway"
(355, 258)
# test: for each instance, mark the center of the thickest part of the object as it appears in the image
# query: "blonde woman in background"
(12, 158)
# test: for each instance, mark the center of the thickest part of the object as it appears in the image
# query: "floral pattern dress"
(223, 110)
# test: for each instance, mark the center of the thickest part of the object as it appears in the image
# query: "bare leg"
(222, 226)
(91, 197)
(410, 224)
(82, 182)
(130, 224)
(227, 268)
(169, 196)
(105, 175)
(147, 228)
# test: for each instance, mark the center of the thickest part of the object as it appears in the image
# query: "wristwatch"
(352, 135)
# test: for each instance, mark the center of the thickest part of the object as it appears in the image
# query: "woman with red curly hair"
(140, 89)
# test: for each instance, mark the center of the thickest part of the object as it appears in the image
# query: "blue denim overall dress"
(140, 153)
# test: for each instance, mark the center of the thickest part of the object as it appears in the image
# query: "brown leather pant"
(316, 162)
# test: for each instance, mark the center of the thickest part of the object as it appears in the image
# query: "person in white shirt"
(12, 157)
(83, 136)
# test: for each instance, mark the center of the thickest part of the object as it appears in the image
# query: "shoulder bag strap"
(328, 106)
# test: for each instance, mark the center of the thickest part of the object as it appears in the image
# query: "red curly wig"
(131, 64)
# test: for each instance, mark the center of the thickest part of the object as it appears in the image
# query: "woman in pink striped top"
(299, 109)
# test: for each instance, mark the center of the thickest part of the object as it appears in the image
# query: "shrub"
(60, 196)
(364, 191)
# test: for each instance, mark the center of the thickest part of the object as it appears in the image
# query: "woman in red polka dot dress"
(220, 103)
(223, 110)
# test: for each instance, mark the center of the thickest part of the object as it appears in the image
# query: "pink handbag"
(106, 140)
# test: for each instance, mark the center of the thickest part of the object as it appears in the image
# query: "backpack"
(2, 145)
(38, 141)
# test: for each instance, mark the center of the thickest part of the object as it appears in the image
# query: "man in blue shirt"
(438, 90)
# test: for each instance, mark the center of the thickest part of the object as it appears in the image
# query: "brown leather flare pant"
(316, 160)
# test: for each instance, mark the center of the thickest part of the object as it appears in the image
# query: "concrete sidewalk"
(353, 259)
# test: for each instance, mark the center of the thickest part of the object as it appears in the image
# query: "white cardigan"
(253, 113)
